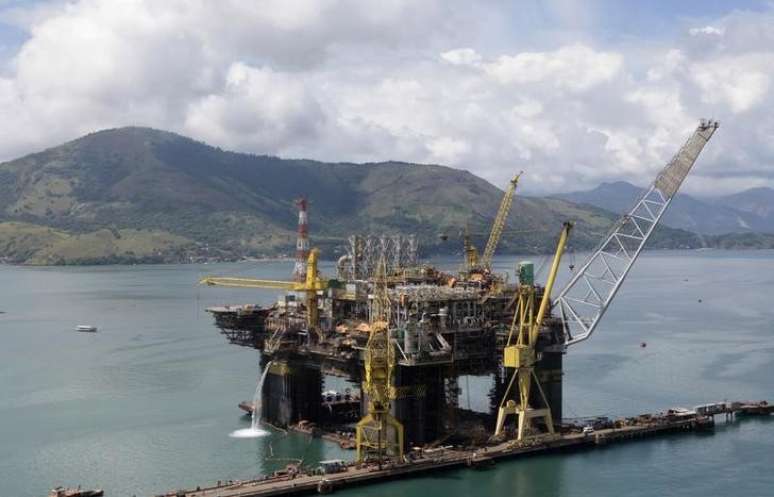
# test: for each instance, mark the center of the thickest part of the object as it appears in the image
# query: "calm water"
(146, 404)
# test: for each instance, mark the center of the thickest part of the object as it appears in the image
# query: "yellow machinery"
(379, 434)
(499, 223)
(521, 355)
(474, 261)
(311, 285)
(471, 252)
(472, 257)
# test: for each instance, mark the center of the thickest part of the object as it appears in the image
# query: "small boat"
(75, 492)
(86, 328)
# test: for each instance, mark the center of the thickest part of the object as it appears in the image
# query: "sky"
(571, 92)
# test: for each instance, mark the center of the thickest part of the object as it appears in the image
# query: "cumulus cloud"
(576, 68)
(740, 82)
(256, 108)
(433, 81)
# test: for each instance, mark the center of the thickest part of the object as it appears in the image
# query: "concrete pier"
(295, 482)
(298, 484)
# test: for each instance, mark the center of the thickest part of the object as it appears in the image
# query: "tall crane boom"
(499, 222)
(247, 283)
(587, 296)
(311, 282)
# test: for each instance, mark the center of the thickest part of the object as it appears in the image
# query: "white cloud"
(432, 81)
(448, 150)
(668, 65)
(461, 57)
(527, 108)
(575, 67)
(258, 109)
(707, 30)
(740, 82)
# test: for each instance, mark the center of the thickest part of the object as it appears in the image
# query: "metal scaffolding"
(365, 252)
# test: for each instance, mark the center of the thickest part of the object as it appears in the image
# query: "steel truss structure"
(583, 302)
(365, 252)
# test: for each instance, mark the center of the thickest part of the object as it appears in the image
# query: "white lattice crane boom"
(588, 294)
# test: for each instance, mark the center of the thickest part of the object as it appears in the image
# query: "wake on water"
(255, 429)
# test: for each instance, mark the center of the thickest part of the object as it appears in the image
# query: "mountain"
(751, 211)
(755, 201)
(144, 195)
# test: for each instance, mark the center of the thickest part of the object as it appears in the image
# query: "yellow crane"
(499, 222)
(588, 294)
(311, 285)
(521, 355)
(472, 256)
(471, 252)
(378, 433)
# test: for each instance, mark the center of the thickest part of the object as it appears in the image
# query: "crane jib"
(499, 222)
(584, 300)
(672, 176)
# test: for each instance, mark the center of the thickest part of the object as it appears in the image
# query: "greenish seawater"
(146, 405)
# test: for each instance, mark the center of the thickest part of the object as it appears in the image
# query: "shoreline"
(333, 260)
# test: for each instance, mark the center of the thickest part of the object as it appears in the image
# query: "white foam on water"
(249, 433)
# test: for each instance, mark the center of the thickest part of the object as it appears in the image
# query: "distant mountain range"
(144, 195)
(750, 211)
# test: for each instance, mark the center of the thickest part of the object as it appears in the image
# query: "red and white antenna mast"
(302, 241)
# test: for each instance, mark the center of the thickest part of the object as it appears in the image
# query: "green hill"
(138, 194)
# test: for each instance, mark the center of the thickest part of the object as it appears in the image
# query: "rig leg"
(291, 393)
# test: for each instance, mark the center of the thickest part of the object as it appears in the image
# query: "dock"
(295, 482)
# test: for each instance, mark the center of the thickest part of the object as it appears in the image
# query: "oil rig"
(405, 332)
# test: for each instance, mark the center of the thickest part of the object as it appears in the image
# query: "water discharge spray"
(255, 429)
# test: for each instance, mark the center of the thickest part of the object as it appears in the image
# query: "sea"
(146, 405)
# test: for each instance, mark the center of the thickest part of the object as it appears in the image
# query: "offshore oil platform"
(406, 332)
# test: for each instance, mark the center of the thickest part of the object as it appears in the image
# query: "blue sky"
(572, 92)
(537, 24)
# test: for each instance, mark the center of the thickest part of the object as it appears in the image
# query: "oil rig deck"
(443, 332)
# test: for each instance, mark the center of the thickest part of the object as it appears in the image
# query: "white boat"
(86, 328)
